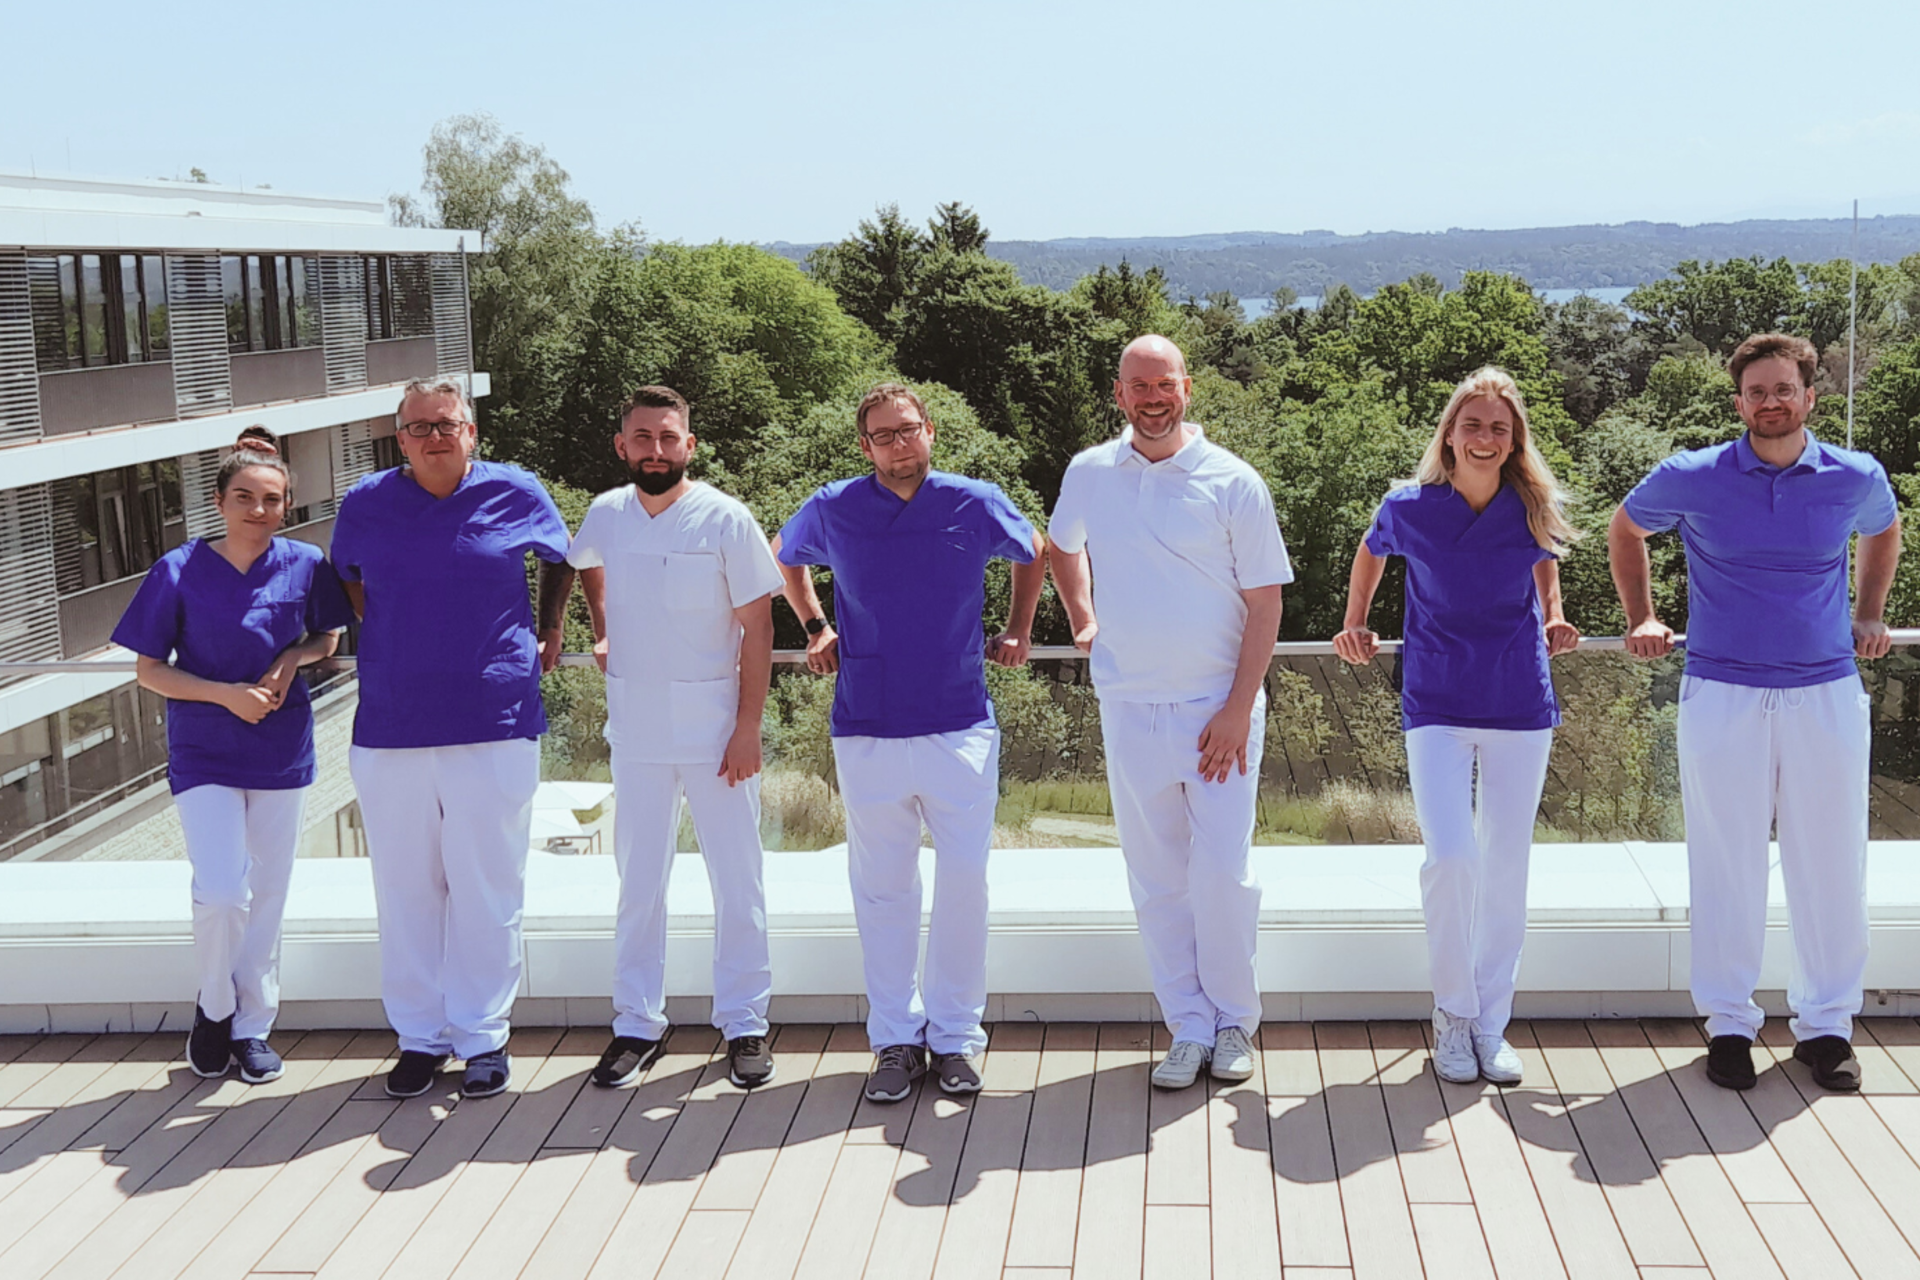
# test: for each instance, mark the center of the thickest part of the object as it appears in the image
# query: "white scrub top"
(673, 644)
(1172, 545)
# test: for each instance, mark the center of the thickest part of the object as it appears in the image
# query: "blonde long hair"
(1524, 468)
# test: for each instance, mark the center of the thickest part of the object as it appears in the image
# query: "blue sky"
(761, 121)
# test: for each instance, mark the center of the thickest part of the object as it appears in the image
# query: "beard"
(655, 483)
(1149, 429)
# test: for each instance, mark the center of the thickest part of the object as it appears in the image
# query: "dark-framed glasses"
(905, 431)
(438, 427)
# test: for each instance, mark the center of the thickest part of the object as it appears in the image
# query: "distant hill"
(1254, 263)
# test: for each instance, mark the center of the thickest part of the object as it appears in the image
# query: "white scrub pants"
(1751, 758)
(951, 782)
(1473, 885)
(241, 844)
(1188, 843)
(448, 830)
(646, 828)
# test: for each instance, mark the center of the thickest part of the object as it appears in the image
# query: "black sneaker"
(258, 1063)
(956, 1072)
(893, 1075)
(413, 1074)
(487, 1074)
(1831, 1058)
(1730, 1062)
(749, 1061)
(625, 1059)
(210, 1045)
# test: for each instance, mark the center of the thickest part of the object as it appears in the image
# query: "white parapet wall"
(107, 946)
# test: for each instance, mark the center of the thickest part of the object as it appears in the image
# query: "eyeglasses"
(1167, 387)
(421, 430)
(1785, 394)
(905, 431)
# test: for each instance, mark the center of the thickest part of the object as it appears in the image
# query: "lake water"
(1257, 307)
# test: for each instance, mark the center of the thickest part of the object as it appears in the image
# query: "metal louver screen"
(198, 471)
(451, 349)
(19, 372)
(343, 321)
(29, 605)
(352, 445)
(197, 321)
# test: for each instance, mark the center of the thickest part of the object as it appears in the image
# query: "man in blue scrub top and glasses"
(446, 740)
(1774, 723)
(914, 738)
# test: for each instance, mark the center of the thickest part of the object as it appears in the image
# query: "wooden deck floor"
(1343, 1158)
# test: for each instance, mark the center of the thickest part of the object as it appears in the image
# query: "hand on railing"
(1651, 639)
(1357, 645)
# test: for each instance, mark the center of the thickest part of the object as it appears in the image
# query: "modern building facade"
(142, 325)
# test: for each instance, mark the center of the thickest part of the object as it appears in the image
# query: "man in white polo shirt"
(1180, 617)
(680, 581)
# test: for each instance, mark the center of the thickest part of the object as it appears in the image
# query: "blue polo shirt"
(220, 624)
(447, 651)
(908, 592)
(1767, 556)
(1476, 647)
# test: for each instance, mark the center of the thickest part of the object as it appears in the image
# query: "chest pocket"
(1188, 523)
(694, 582)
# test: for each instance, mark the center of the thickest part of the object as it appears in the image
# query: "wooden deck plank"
(135, 1092)
(1177, 1120)
(906, 1242)
(632, 1140)
(1617, 1159)
(1380, 1237)
(1751, 1162)
(746, 1158)
(849, 1213)
(1113, 1188)
(1417, 1111)
(1729, 1242)
(1312, 1225)
(1177, 1243)
(1898, 1039)
(980, 1216)
(1801, 1243)
(1246, 1228)
(62, 1080)
(1523, 1248)
(1452, 1246)
(704, 1245)
(776, 1235)
(1046, 1212)
(39, 1060)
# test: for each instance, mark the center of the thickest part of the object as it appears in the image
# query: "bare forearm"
(556, 584)
(756, 660)
(1632, 569)
(801, 596)
(1363, 580)
(316, 647)
(1546, 581)
(593, 585)
(1256, 646)
(1874, 562)
(172, 683)
(1028, 580)
(1074, 583)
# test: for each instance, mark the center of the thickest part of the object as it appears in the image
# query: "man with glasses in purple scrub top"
(1774, 723)
(446, 741)
(914, 738)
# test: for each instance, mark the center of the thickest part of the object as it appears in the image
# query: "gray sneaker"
(749, 1061)
(896, 1068)
(1181, 1066)
(956, 1072)
(1232, 1056)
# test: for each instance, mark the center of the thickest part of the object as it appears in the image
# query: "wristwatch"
(815, 626)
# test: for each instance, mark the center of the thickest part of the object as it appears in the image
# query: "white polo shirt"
(1172, 546)
(673, 644)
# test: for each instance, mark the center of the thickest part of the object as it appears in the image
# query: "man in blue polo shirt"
(446, 749)
(914, 737)
(1774, 722)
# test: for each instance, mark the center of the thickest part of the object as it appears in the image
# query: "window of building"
(92, 309)
(116, 523)
(273, 302)
(386, 453)
(399, 297)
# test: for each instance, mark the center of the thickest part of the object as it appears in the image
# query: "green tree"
(1718, 305)
(956, 228)
(874, 269)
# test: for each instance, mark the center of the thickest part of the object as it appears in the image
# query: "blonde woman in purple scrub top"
(1480, 528)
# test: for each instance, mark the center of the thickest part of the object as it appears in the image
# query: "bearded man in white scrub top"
(1180, 618)
(680, 581)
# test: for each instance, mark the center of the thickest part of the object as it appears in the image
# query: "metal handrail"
(1902, 638)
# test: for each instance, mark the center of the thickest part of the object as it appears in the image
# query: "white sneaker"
(1453, 1057)
(1498, 1061)
(1181, 1066)
(1232, 1055)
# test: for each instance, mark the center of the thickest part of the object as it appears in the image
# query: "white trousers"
(1749, 759)
(646, 827)
(1188, 843)
(1473, 885)
(448, 830)
(241, 844)
(951, 782)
